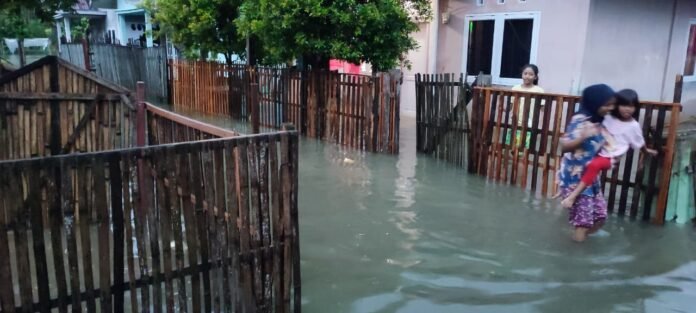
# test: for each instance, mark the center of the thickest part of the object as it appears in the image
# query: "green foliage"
(376, 31)
(39, 9)
(21, 25)
(420, 10)
(199, 25)
(79, 31)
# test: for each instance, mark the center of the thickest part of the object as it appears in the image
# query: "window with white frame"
(690, 64)
(479, 2)
(500, 44)
(501, 1)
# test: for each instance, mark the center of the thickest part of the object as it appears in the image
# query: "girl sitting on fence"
(530, 83)
(621, 132)
(580, 143)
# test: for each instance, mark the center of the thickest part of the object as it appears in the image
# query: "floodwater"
(407, 233)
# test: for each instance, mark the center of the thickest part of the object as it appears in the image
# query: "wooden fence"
(196, 226)
(540, 120)
(168, 127)
(184, 226)
(353, 110)
(124, 66)
(51, 107)
(442, 119)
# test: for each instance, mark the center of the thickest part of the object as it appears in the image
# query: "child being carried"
(620, 131)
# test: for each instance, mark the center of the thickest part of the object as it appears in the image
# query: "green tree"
(79, 30)
(40, 9)
(29, 18)
(200, 25)
(377, 31)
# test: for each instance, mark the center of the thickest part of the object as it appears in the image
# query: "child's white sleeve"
(637, 140)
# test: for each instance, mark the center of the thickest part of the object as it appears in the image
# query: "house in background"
(639, 44)
(119, 22)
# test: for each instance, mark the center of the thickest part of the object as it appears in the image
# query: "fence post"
(320, 80)
(678, 87)
(253, 100)
(140, 118)
(376, 89)
(170, 78)
(473, 135)
(86, 54)
(303, 101)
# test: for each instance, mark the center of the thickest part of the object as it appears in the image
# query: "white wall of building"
(128, 4)
(561, 37)
(685, 12)
(419, 64)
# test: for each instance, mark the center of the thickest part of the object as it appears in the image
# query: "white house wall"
(133, 21)
(686, 10)
(627, 45)
(562, 31)
(419, 64)
(128, 4)
(112, 23)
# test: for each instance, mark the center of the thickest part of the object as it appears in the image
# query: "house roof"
(65, 64)
(79, 13)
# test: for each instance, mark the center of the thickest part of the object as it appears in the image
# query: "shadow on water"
(407, 233)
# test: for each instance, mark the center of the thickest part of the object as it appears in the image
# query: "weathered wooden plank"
(209, 172)
(496, 158)
(201, 223)
(38, 184)
(286, 189)
(102, 209)
(526, 108)
(275, 223)
(232, 215)
(117, 222)
(294, 216)
(265, 223)
(56, 218)
(80, 128)
(86, 209)
(175, 196)
(669, 150)
(243, 192)
(7, 300)
(164, 205)
(254, 222)
(68, 211)
(18, 213)
(128, 203)
(150, 181)
(222, 225)
(638, 189)
(183, 171)
(537, 104)
(543, 149)
(657, 143)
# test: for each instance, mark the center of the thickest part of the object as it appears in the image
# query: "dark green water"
(407, 233)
